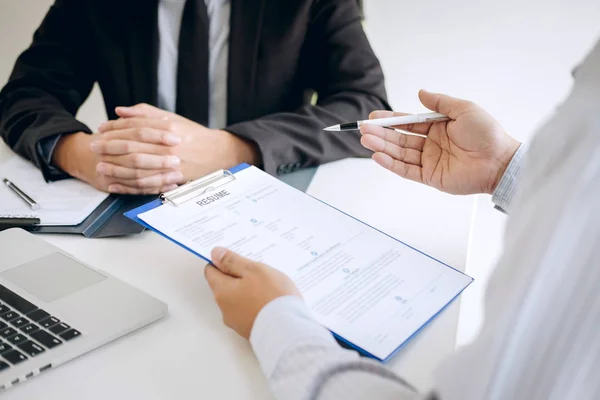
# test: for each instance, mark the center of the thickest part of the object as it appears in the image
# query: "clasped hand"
(149, 150)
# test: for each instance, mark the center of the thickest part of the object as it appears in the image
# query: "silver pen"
(390, 121)
(30, 202)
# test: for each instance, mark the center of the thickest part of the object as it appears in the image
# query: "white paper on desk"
(66, 202)
(366, 287)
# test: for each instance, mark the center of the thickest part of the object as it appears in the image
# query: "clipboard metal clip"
(198, 187)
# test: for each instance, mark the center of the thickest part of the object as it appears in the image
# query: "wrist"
(243, 150)
(503, 161)
(69, 152)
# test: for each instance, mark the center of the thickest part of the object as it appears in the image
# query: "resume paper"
(366, 287)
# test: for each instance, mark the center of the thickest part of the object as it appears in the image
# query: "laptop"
(54, 308)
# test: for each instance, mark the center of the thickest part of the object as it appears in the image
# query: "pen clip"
(436, 119)
(407, 133)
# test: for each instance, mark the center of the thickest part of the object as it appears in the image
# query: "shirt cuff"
(279, 326)
(505, 191)
(45, 148)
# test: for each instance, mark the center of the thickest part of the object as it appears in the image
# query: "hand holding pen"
(466, 154)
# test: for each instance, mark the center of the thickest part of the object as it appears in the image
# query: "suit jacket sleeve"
(49, 82)
(349, 81)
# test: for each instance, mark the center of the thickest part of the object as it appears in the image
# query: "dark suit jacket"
(279, 51)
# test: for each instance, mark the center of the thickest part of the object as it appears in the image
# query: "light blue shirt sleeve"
(505, 191)
(45, 148)
(302, 360)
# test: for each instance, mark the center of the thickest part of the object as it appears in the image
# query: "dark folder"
(107, 220)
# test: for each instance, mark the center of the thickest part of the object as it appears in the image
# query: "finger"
(140, 110)
(422, 129)
(129, 123)
(143, 161)
(158, 180)
(123, 189)
(444, 104)
(378, 145)
(145, 135)
(144, 110)
(120, 172)
(153, 181)
(215, 278)
(377, 114)
(118, 147)
(230, 263)
(389, 135)
(408, 171)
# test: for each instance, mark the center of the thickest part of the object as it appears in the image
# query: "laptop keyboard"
(26, 330)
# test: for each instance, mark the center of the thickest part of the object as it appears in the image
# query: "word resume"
(369, 289)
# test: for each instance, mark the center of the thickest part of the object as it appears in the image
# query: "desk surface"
(190, 354)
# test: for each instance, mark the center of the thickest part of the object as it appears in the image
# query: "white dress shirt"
(540, 338)
(170, 13)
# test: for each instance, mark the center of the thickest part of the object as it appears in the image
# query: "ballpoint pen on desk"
(30, 202)
(389, 122)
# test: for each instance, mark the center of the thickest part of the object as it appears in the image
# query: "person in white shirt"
(541, 335)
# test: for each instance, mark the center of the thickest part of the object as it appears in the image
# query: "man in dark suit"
(207, 84)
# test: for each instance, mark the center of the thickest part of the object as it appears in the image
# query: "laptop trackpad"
(53, 277)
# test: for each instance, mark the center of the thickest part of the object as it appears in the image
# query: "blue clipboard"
(133, 215)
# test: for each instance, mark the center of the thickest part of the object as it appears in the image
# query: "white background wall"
(513, 57)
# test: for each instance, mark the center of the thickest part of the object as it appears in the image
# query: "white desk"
(191, 354)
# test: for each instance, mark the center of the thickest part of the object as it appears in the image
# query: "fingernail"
(172, 139)
(218, 253)
(94, 147)
(113, 189)
(102, 126)
(174, 161)
(101, 168)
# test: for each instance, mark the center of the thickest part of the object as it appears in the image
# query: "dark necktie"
(192, 66)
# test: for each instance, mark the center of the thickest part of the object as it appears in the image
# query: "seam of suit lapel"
(259, 21)
(155, 53)
(244, 41)
(140, 87)
(128, 55)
